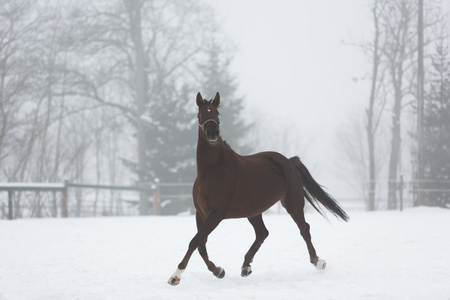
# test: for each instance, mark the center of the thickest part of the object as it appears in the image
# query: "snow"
(379, 255)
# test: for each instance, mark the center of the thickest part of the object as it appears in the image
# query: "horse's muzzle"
(212, 132)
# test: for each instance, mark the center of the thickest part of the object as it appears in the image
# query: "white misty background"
(103, 92)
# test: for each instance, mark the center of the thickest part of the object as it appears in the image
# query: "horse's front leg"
(217, 271)
(209, 224)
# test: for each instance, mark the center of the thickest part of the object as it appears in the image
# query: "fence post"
(156, 199)
(54, 206)
(10, 205)
(64, 201)
(401, 192)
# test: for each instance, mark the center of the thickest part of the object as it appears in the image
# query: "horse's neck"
(209, 156)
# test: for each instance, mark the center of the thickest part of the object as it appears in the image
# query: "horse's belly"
(254, 200)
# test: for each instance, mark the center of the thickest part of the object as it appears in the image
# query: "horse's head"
(208, 118)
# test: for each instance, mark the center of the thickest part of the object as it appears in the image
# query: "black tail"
(315, 194)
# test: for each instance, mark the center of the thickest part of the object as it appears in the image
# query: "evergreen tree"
(170, 148)
(171, 123)
(217, 78)
(171, 135)
(436, 149)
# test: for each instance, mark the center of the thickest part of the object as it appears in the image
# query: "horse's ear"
(216, 101)
(199, 99)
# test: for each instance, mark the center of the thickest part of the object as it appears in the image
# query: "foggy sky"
(298, 64)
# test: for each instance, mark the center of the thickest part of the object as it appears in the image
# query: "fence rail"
(63, 188)
(112, 187)
(35, 199)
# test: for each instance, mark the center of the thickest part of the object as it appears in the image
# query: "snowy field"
(380, 255)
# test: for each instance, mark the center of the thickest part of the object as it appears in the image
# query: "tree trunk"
(372, 182)
(140, 79)
(395, 143)
(371, 127)
(420, 105)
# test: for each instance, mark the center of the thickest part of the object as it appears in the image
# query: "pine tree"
(217, 78)
(171, 125)
(436, 149)
(171, 135)
(170, 148)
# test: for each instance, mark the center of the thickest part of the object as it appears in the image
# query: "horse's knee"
(305, 229)
(194, 243)
(202, 250)
(264, 234)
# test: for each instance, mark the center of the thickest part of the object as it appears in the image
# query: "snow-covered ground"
(380, 255)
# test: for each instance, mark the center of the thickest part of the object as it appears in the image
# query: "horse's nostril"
(212, 131)
(212, 134)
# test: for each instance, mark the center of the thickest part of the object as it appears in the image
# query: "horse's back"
(261, 181)
(270, 163)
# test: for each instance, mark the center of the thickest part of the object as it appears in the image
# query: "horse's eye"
(199, 115)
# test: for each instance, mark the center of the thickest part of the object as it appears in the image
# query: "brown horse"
(229, 185)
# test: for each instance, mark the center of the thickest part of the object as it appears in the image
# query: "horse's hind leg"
(217, 271)
(261, 234)
(294, 206)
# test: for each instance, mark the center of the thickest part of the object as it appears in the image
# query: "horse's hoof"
(173, 281)
(176, 277)
(246, 271)
(321, 264)
(221, 274)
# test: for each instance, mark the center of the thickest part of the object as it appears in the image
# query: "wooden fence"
(167, 198)
(63, 188)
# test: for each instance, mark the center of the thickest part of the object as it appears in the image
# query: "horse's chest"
(211, 196)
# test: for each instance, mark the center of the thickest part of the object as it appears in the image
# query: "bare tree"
(143, 50)
(372, 113)
(400, 54)
(398, 50)
(392, 55)
(17, 26)
(57, 57)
